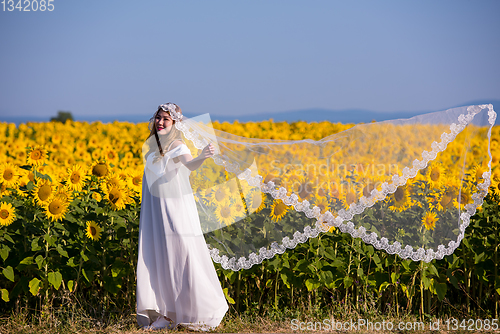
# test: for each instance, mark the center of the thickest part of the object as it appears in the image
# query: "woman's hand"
(207, 152)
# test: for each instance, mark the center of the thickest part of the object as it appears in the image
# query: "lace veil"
(408, 186)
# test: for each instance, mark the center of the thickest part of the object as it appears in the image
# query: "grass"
(269, 320)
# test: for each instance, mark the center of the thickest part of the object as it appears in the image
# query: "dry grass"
(271, 321)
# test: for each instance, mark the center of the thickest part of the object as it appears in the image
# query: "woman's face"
(163, 122)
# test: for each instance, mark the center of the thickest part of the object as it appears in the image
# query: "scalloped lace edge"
(343, 219)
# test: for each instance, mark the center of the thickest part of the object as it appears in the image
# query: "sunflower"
(278, 210)
(135, 181)
(256, 202)
(304, 188)
(7, 214)
(4, 191)
(325, 227)
(445, 199)
(239, 208)
(399, 200)
(334, 191)
(56, 209)
(477, 173)
(116, 197)
(63, 194)
(96, 196)
(37, 156)
(349, 197)
(96, 154)
(9, 175)
(44, 191)
(111, 155)
(76, 178)
(464, 197)
(93, 230)
(429, 220)
(113, 180)
(100, 168)
(322, 203)
(495, 184)
(219, 195)
(435, 175)
(225, 214)
(367, 190)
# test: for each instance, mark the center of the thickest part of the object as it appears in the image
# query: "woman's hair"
(171, 136)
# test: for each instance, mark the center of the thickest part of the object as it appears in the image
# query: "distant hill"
(308, 115)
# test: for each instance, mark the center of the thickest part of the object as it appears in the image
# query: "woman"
(176, 280)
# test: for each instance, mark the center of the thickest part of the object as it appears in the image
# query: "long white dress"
(175, 274)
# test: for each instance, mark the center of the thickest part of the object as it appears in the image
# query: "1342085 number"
(28, 5)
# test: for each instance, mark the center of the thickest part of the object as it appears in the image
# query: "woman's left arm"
(195, 163)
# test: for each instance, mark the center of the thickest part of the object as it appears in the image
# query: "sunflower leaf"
(39, 261)
(61, 251)
(34, 286)
(34, 244)
(4, 252)
(49, 240)
(9, 238)
(226, 294)
(5, 295)
(9, 273)
(55, 278)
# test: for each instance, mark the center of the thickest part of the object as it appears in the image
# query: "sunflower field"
(70, 196)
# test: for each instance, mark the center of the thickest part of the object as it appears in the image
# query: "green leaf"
(61, 251)
(89, 276)
(84, 256)
(312, 284)
(27, 260)
(111, 285)
(426, 281)
(284, 278)
(348, 280)
(9, 273)
(360, 272)
(4, 252)
(337, 263)
(9, 238)
(71, 285)
(34, 244)
(71, 262)
(34, 286)
(394, 278)
(48, 239)
(383, 286)
(229, 299)
(39, 261)
(453, 280)
(406, 265)
(5, 295)
(432, 269)
(440, 290)
(479, 258)
(55, 278)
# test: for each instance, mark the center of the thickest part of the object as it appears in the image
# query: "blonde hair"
(173, 135)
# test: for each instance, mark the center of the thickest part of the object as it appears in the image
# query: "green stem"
(421, 289)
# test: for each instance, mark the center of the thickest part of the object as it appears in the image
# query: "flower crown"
(171, 109)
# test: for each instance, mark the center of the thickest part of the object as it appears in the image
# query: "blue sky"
(240, 57)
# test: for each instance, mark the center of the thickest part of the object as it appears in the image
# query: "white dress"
(175, 274)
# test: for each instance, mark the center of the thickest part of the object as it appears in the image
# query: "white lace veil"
(408, 186)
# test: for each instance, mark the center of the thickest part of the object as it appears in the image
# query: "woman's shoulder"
(175, 144)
